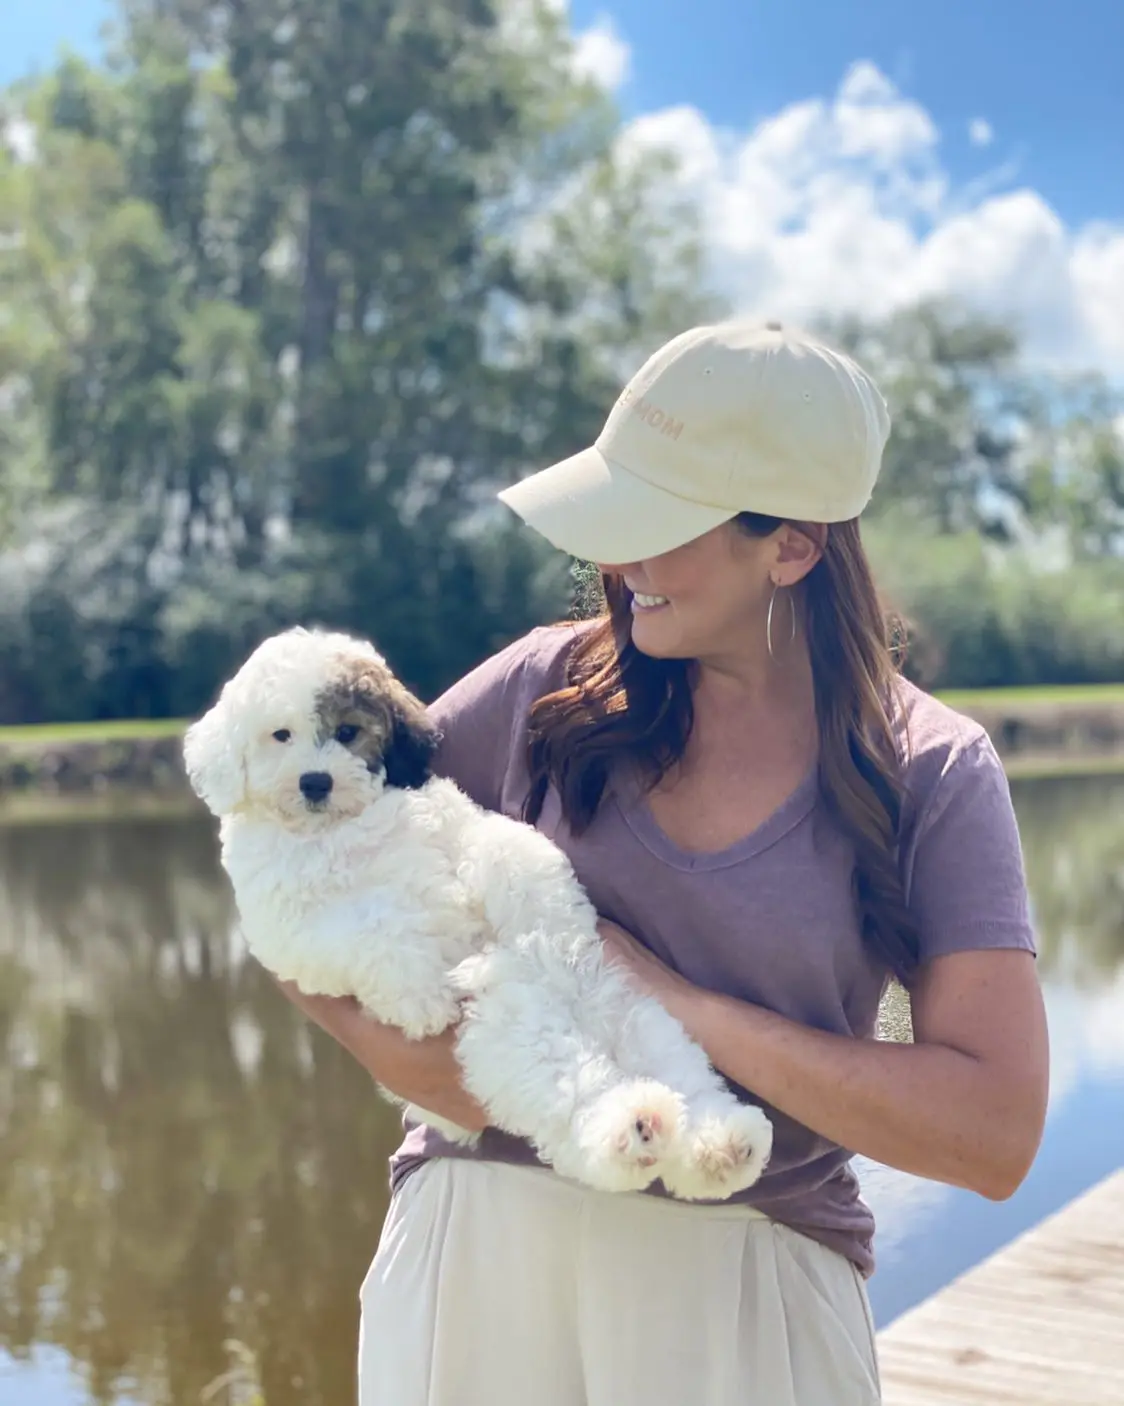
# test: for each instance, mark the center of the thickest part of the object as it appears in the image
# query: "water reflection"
(1073, 837)
(186, 1162)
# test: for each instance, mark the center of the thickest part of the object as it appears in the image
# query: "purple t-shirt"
(769, 920)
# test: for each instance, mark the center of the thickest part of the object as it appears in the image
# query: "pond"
(192, 1180)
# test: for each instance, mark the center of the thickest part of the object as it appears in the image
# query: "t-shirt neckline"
(631, 799)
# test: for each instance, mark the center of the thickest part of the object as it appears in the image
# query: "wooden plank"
(1040, 1323)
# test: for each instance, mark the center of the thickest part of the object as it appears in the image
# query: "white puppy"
(356, 872)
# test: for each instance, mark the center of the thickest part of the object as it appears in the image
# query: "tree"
(981, 442)
(297, 286)
(949, 380)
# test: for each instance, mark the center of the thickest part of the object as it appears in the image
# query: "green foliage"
(938, 369)
(979, 444)
(288, 289)
(996, 528)
(984, 617)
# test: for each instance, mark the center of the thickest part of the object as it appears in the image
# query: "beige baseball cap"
(735, 417)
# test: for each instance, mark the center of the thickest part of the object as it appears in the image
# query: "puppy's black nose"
(315, 785)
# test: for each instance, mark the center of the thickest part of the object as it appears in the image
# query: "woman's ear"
(798, 548)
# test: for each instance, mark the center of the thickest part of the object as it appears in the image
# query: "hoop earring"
(769, 621)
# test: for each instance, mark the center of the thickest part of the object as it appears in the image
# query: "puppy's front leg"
(524, 884)
(390, 961)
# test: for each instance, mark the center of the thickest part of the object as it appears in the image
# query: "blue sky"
(1047, 75)
(857, 154)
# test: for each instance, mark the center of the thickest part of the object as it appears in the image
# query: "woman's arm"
(964, 1104)
(423, 1071)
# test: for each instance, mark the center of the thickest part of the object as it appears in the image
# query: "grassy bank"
(970, 701)
(115, 730)
(965, 700)
(1037, 731)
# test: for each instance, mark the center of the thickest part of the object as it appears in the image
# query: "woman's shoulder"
(533, 663)
(943, 750)
(929, 730)
(482, 718)
(961, 849)
(544, 651)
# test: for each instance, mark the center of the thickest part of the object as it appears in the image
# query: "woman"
(771, 823)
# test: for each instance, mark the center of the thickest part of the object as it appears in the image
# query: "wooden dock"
(1040, 1323)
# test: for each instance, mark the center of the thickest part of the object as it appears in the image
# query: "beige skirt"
(509, 1286)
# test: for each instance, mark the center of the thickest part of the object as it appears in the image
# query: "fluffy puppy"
(356, 872)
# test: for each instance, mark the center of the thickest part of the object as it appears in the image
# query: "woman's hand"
(645, 970)
(424, 1072)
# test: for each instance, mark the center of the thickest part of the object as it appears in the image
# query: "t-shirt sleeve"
(968, 882)
(483, 717)
(475, 718)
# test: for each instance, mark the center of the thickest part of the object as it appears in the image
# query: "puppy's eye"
(347, 732)
(282, 734)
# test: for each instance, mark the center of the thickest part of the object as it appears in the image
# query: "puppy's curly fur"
(357, 872)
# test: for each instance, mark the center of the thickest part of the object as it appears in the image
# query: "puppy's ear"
(413, 741)
(213, 760)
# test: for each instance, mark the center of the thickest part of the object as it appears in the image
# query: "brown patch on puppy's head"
(368, 711)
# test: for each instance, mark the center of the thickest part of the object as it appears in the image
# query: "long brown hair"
(619, 703)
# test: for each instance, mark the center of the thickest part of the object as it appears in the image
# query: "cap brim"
(597, 511)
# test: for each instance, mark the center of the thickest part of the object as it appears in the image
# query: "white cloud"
(872, 120)
(980, 132)
(600, 54)
(844, 205)
(1098, 277)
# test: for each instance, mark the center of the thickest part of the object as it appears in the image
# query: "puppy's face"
(309, 731)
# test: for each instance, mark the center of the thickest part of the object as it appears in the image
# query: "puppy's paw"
(721, 1154)
(627, 1134)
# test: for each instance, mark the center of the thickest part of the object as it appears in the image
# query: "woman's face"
(709, 598)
